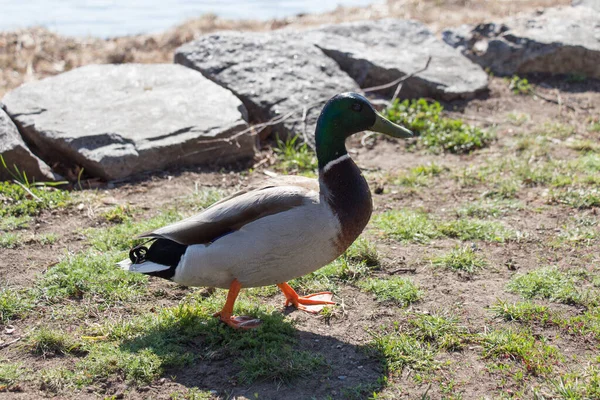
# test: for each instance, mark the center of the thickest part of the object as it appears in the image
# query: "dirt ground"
(530, 129)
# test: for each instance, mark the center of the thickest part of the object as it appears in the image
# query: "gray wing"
(243, 207)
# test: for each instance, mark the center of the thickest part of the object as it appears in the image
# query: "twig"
(404, 271)
(304, 125)
(257, 128)
(558, 102)
(397, 81)
(27, 190)
(4, 345)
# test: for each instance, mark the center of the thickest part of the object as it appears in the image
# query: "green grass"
(89, 275)
(56, 380)
(142, 348)
(586, 324)
(518, 119)
(398, 350)
(357, 262)
(521, 347)
(489, 208)
(418, 176)
(11, 374)
(118, 214)
(294, 157)
(416, 226)
(202, 198)
(14, 304)
(438, 133)
(519, 86)
(579, 230)
(524, 311)
(440, 329)
(580, 385)
(584, 146)
(475, 229)
(11, 222)
(363, 251)
(547, 283)
(122, 236)
(406, 225)
(401, 291)
(461, 259)
(16, 201)
(10, 240)
(48, 342)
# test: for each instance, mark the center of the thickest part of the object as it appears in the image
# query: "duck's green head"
(344, 115)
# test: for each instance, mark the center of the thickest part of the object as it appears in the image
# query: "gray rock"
(15, 152)
(557, 41)
(274, 74)
(594, 4)
(119, 120)
(378, 52)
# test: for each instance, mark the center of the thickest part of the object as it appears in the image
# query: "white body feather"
(270, 250)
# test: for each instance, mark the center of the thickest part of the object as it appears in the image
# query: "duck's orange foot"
(239, 322)
(312, 303)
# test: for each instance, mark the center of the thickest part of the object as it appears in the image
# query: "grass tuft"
(401, 291)
(398, 350)
(11, 375)
(520, 86)
(10, 240)
(13, 304)
(461, 259)
(546, 283)
(48, 342)
(294, 157)
(17, 201)
(92, 274)
(522, 347)
(439, 329)
(418, 176)
(474, 229)
(406, 225)
(521, 311)
(438, 133)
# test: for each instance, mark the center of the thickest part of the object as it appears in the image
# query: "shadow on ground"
(275, 361)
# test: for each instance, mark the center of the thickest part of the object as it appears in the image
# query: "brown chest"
(348, 195)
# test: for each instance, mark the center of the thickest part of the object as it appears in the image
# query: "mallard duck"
(284, 229)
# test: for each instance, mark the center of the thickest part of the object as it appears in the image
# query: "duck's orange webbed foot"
(225, 315)
(312, 303)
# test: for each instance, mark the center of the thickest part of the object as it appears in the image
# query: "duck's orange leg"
(312, 303)
(226, 316)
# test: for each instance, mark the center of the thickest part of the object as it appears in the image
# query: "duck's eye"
(356, 107)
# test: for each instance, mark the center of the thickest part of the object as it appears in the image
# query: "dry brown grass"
(36, 53)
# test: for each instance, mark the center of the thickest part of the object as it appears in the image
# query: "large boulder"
(275, 74)
(378, 52)
(556, 41)
(119, 120)
(17, 156)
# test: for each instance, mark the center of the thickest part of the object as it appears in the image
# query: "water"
(108, 18)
